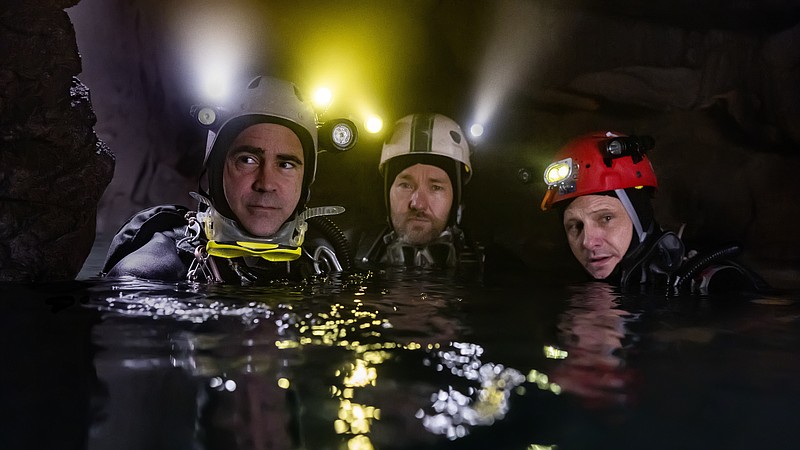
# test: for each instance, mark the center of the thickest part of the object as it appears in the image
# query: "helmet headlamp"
(633, 146)
(207, 116)
(557, 172)
(337, 135)
(559, 176)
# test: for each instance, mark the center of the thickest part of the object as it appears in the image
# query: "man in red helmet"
(602, 183)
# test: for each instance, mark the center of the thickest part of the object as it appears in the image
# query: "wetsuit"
(662, 260)
(158, 244)
(380, 247)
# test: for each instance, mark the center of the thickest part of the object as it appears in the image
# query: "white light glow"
(217, 43)
(521, 38)
(476, 130)
(215, 83)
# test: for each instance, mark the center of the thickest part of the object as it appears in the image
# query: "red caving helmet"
(598, 162)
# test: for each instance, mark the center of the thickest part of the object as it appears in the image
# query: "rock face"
(53, 167)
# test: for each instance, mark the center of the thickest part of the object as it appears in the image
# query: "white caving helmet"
(264, 100)
(432, 139)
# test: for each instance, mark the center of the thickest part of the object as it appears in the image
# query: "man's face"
(420, 199)
(263, 177)
(599, 233)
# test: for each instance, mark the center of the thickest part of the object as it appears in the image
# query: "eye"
(247, 159)
(404, 185)
(573, 228)
(287, 164)
(246, 162)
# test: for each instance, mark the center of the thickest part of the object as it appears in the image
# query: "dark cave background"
(716, 83)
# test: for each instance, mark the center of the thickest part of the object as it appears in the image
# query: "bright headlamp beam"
(518, 47)
(323, 97)
(215, 83)
(216, 42)
(373, 124)
(476, 130)
(558, 172)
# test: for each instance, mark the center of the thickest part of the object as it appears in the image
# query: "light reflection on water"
(263, 336)
(412, 360)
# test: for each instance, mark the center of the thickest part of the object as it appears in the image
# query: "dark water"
(394, 361)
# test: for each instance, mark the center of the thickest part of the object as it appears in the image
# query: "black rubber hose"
(336, 237)
(692, 267)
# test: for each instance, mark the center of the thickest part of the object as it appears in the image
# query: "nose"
(419, 200)
(592, 236)
(264, 180)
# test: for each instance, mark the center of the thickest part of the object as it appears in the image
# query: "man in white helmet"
(425, 164)
(260, 161)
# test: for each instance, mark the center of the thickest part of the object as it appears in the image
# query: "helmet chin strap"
(626, 203)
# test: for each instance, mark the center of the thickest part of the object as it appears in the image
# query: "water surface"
(398, 360)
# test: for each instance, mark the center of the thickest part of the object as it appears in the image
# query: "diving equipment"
(440, 253)
(662, 255)
(227, 240)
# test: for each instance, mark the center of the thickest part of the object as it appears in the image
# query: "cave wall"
(53, 167)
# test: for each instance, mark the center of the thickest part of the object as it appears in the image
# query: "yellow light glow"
(286, 344)
(373, 124)
(283, 383)
(340, 426)
(554, 353)
(361, 375)
(360, 442)
(323, 97)
(557, 172)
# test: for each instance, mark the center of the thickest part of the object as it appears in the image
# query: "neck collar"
(227, 239)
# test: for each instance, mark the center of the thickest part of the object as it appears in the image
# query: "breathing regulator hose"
(697, 264)
(336, 237)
